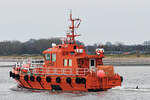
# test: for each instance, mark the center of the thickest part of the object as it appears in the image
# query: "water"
(133, 76)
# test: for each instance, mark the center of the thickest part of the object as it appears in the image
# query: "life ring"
(58, 80)
(38, 78)
(32, 78)
(10, 74)
(68, 80)
(17, 76)
(99, 51)
(26, 78)
(48, 79)
(78, 80)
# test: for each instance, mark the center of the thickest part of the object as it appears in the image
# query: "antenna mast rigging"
(76, 21)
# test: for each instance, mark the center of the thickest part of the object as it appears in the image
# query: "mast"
(75, 23)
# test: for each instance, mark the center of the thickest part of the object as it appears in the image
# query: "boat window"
(53, 57)
(65, 62)
(70, 62)
(47, 56)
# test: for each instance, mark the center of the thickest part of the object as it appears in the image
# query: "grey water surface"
(133, 76)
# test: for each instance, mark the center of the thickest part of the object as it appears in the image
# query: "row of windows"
(50, 57)
(67, 62)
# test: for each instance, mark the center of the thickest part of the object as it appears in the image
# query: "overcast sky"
(127, 21)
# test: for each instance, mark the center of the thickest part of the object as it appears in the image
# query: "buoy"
(68, 80)
(38, 78)
(100, 73)
(58, 80)
(26, 78)
(48, 79)
(32, 78)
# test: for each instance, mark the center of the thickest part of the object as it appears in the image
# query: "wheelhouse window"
(47, 56)
(65, 62)
(70, 62)
(53, 57)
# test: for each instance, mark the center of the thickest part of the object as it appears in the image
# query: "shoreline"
(127, 61)
(115, 61)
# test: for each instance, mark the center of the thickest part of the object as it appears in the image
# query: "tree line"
(121, 49)
(35, 47)
(29, 47)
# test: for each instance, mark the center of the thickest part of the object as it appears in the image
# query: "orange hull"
(89, 82)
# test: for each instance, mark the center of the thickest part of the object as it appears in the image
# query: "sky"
(127, 21)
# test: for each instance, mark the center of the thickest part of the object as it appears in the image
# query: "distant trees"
(10, 47)
(30, 47)
(120, 48)
(146, 43)
(37, 46)
(33, 46)
(108, 43)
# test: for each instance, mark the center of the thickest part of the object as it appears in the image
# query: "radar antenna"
(75, 23)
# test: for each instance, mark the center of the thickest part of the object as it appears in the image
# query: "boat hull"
(88, 82)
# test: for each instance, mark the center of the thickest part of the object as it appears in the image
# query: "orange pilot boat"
(67, 67)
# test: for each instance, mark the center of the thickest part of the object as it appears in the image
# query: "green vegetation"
(31, 47)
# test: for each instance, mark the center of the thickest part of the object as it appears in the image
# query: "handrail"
(31, 61)
(37, 68)
(56, 71)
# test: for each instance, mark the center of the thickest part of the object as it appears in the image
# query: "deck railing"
(54, 71)
(31, 61)
(35, 67)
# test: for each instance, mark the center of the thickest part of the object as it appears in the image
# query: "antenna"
(75, 23)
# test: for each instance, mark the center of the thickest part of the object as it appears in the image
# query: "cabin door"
(92, 65)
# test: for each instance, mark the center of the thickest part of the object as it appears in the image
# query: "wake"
(122, 88)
